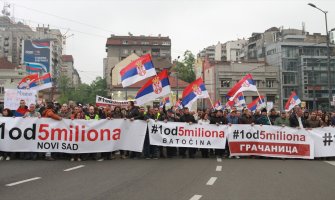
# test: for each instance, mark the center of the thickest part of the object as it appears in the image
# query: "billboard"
(37, 56)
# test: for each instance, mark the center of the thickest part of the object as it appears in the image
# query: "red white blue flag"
(165, 102)
(292, 101)
(137, 70)
(218, 105)
(195, 90)
(179, 105)
(154, 88)
(245, 84)
(35, 82)
(238, 102)
(257, 104)
(27, 81)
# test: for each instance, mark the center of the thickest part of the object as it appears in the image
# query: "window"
(269, 83)
(2, 90)
(125, 51)
(225, 83)
(258, 83)
(271, 98)
(289, 78)
(124, 42)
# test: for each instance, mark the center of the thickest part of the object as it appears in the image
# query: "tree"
(185, 68)
(83, 93)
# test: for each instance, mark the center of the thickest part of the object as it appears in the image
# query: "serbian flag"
(218, 105)
(292, 101)
(179, 105)
(165, 101)
(257, 104)
(238, 101)
(154, 88)
(245, 84)
(195, 90)
(27, 81)
(137, 70)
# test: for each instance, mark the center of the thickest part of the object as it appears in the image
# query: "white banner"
(270, 141)
(177, 134)
(70, 136)
(102, 101)
(324, 141)
(13, 97)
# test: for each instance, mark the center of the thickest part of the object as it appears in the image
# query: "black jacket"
(188, 118)
(218, 120)
(295, 123)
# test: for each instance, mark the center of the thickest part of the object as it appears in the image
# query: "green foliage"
(185, 68)
(83, 93)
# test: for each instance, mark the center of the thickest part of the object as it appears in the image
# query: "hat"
(264, 110)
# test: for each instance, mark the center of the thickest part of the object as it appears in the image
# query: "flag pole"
(262, 103)
(211, 101)
(244, 99)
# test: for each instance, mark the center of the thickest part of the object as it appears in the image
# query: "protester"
(313, 122)
(65, 112)
(282, 120)
(31, 113)
(273, 115)
(263, 119)
(49, 112)
(7, 155)
(188, 118)
(21, 111)
(219, 119)
(296, 118)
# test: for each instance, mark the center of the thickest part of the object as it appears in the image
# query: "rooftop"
(138, 40)
(67, 58)
(5, 64)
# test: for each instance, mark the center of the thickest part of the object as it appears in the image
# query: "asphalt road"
(183, 179)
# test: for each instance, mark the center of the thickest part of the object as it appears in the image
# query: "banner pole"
(262, 103)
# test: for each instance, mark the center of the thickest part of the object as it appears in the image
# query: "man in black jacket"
(188, 118)
(219, 119)
(296, 119)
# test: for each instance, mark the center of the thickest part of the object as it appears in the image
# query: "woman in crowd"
(6, 155)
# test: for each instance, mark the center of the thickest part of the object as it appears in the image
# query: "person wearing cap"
(263, 119)
(282, 120)
(188, 118)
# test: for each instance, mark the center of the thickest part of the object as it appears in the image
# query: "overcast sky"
(190, 24)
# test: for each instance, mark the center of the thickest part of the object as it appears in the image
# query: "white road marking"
(196, 197)
(219, 159)
(211, 181)
(73, 168)
(218, 168)
(331, 162)
(100, 160)
(23, 181)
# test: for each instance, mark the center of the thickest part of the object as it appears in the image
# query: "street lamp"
(328, 54)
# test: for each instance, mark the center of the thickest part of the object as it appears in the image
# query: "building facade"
(303, 62)
(220, 77)
(10, 76)
(119, 48)
(69, 71)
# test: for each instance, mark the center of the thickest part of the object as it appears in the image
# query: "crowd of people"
(297, 118)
